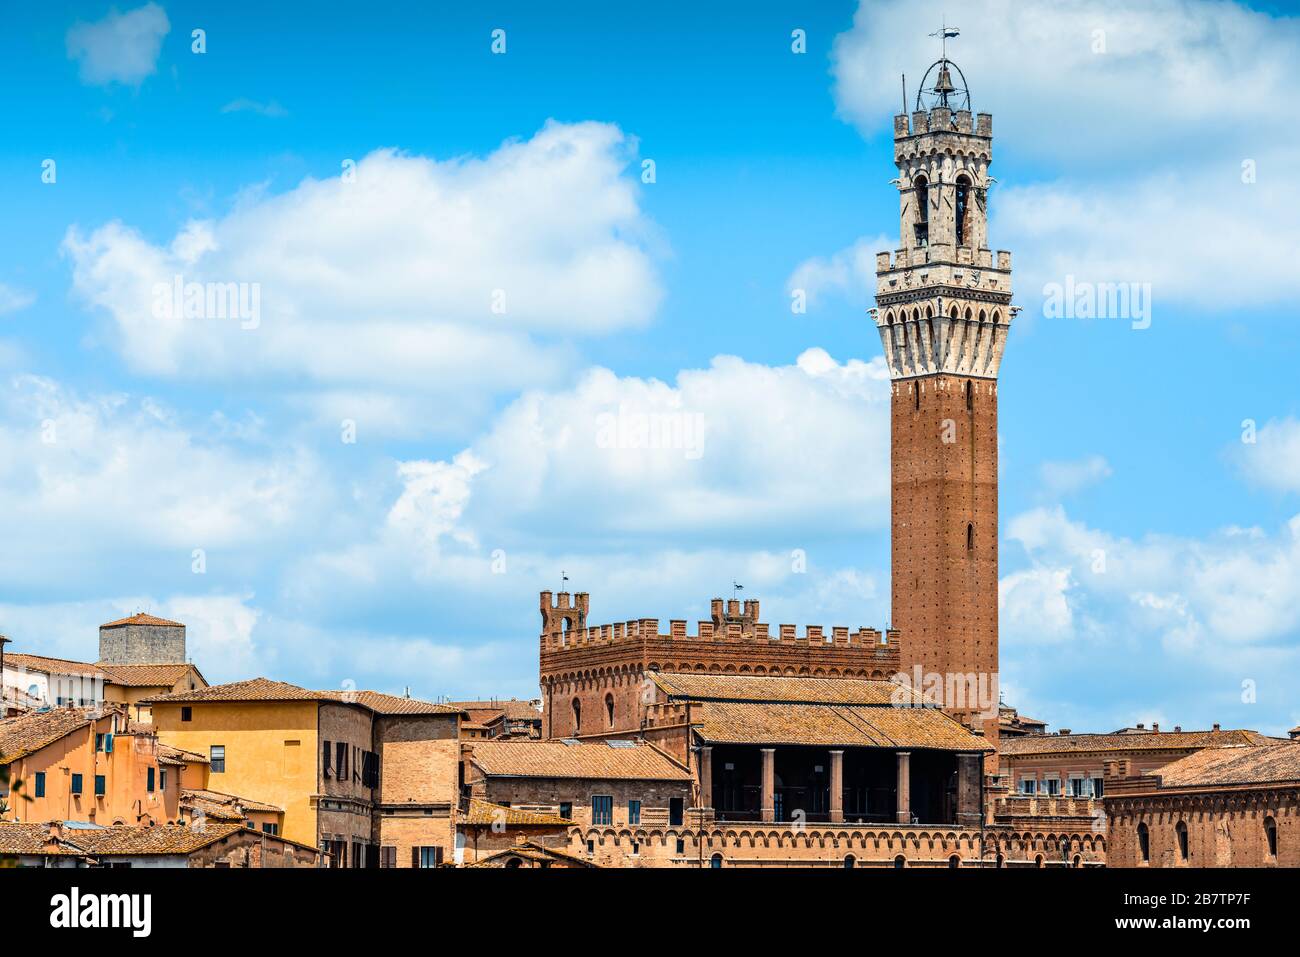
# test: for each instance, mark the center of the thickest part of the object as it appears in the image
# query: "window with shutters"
(40, 784)
(148, 779)
(326, 752)
(76, 784)
(100, 784)
(341, 761)
(426, 856)
(388, 856)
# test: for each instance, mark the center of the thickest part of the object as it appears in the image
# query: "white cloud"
(390, 281)
(1237, 587)
(12, 300)
(1273, 459)
(1189, 76)
(737, 446)
(850, 273)
(122, 47)
(1033, 606)
(90, 481)
(1067, 478)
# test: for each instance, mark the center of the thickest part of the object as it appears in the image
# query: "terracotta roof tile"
(533, 851)
(485, 814)
(147, 676)
(835, 726)
(50, 666)
(555, 759)
(1233, 765)
(219, 804)
(1153, 741)
(140, 618)
(167, 754)
(264, 689)
(123, 840)
(32, 731)
(700, 686)
(514, 709)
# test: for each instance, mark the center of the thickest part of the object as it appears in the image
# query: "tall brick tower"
(943, 308)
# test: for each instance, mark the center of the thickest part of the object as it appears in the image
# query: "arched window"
(1000, 861)
(715, 860)
(1038, 860)
(1144, 843)
(922, 210)
(514, 862)
(1180, 831)
(609, 709)
(1270, 833)
(1078, 861)
(850, 862)
(900, 861)
(954, 861)
(577, 715)
(963, 208)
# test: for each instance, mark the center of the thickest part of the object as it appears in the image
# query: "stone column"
(768, 805)
(706, 777)
(904, 788)
(837, 786)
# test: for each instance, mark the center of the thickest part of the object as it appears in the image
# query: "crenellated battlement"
(732, 621)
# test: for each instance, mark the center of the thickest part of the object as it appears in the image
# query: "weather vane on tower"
(943, 92)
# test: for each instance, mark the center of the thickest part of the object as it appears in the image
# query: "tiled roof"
(513, 709)
(700, 686)
(140, 618)
(835, 726)
(50, 666)
(554, 759)
(254, 689)
(147, 676)
(264, 689)
(177, 756)
(120, 840)
(391, 704)
(1154, 741)
(32, 731)
(218, 804)
(485, 814)
(1234, 765)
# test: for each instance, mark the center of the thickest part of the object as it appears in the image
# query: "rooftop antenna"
(904, 92)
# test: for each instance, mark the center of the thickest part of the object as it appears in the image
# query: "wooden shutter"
(415, 857)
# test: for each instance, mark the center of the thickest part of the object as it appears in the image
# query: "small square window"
(187, 713)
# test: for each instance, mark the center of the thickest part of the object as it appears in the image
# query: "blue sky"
(413, 555)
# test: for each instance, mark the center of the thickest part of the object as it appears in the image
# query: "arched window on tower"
(1270, 834)
(963, 208)
(609, 709)
(1144, 843)
(1180, 832)
(922, 226)
(577, 715)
